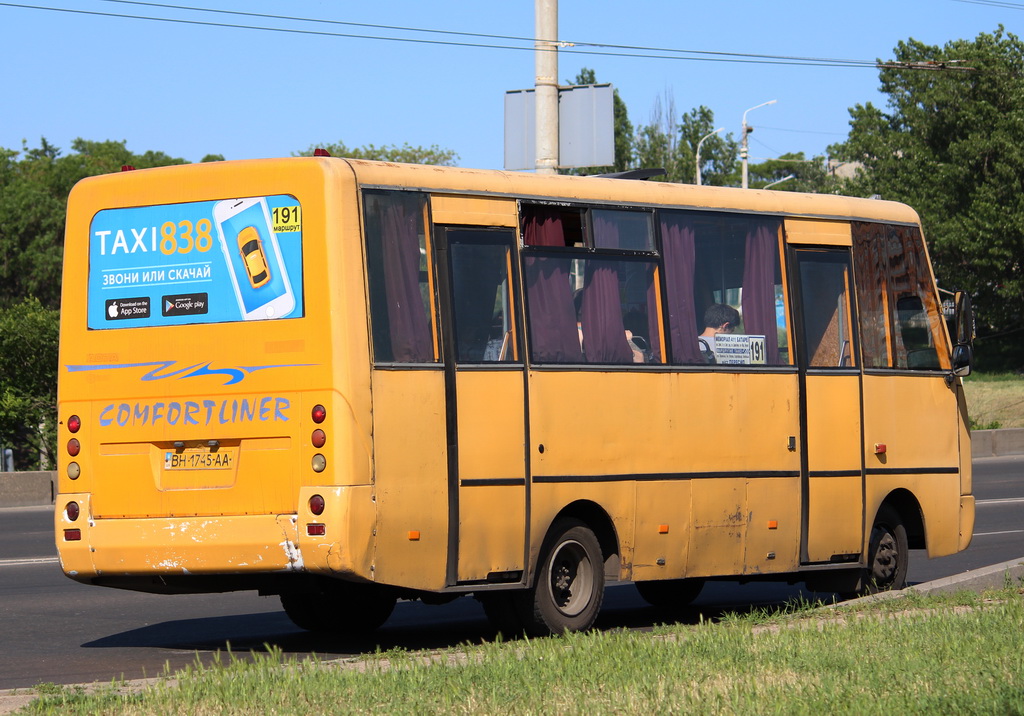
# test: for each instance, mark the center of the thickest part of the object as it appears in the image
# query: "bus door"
(486, 405)
(830, 381)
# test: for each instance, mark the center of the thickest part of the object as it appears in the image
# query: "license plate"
(199, 459)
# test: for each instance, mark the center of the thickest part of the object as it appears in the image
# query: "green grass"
(995, 400)
(918, 656)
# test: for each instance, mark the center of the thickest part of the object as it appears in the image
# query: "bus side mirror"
(963, 350)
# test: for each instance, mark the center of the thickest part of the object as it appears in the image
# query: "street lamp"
(709, 134)
(786, 178)
(746, 131)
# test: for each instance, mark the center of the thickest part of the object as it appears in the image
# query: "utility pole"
(546, 84)
(747, 129)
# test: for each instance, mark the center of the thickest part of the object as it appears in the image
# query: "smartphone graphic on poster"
(253, 257)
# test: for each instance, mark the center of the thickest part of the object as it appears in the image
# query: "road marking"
(1003, 501)
(27, 560)
(989, 534)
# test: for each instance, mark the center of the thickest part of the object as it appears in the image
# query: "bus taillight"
(72, 511)
(319, 414)
(316, 504)
(74, 447)
(318, 438)
(74, 423)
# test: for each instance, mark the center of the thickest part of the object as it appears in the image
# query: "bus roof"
(624, 191)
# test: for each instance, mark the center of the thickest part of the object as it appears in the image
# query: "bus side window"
(400, 278)
(900, 321)
(588, 300)
(484, 324)
(723, 259)
(828, 336)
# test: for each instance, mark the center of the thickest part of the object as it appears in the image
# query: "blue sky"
(192, 89)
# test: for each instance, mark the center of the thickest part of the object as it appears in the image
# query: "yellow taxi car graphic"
(251, 248)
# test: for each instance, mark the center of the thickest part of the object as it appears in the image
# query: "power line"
(994, 3)
(531, 40)
(601, 49)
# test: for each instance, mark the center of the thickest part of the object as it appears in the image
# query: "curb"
(994, 576)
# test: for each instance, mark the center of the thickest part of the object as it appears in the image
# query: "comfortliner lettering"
(193, 412)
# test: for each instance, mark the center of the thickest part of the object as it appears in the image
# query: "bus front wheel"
(569, 586)
(888, 553)
(340, 607)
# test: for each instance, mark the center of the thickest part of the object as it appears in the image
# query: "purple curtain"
(554, 337)
(677, 238)
(604, 335)
(759, 285)
(401, 219)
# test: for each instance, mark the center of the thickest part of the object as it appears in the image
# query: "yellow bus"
(346, 383)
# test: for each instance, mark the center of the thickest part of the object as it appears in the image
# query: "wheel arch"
(909, 509)
(600, 523)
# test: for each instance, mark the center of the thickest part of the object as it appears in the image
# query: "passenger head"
(719, 314)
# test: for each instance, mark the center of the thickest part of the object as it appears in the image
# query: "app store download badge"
(185, 304)
(119, 309)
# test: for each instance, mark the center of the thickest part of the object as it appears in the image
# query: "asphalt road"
(55, 630)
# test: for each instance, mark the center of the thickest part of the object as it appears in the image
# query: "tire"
(568, 588)
(670, 594)
(888, 553)
(340, 608)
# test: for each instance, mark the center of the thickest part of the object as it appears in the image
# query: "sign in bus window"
(196, 262)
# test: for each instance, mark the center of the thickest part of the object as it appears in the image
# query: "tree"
(672, 145)
(28, 382)
(718, 154)
(951, 144)
(809, 175)
(389, 153)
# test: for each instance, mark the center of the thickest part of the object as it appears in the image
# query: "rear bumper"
(218, 550)
(235, 544)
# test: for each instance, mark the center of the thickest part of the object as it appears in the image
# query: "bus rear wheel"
(670, 594)
(888, 553)
(340, 607)
(569, 586)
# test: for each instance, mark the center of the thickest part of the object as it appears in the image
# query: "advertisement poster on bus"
(197, 262)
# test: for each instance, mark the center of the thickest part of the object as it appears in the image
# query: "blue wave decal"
(160, 372)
